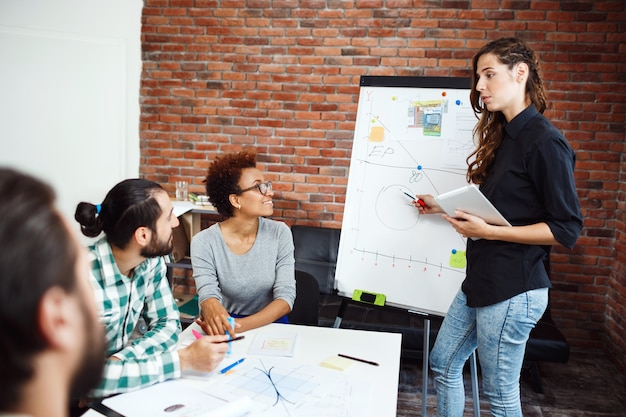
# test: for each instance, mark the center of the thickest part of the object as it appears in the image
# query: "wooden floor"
(588, 385)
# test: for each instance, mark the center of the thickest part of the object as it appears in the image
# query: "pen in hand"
(234, 339)
(419, 201)
(197, 335)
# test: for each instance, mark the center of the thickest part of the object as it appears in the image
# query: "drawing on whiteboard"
(393, 209)
(407, 141)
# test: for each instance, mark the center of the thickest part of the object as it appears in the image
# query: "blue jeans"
(499, 332)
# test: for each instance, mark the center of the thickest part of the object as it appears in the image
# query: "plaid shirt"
(122, 301)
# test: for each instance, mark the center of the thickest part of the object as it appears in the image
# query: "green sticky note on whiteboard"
(457, 259)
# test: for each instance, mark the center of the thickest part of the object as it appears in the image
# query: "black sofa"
(316, 251)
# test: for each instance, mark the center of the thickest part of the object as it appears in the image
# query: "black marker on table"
(358, 359)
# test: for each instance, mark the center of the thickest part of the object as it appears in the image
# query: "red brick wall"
(616, 300)
(282, 76)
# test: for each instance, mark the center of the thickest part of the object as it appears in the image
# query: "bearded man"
(129, 278)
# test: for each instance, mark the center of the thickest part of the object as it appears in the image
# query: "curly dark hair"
(223, 177)
(490, 127)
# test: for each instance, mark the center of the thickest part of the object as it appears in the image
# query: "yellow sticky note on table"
(337, 363)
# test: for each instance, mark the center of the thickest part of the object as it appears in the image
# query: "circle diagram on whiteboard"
(394, 208)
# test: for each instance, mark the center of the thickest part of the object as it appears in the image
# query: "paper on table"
(239, 407)
(176, 398)
(284, 387)
(274, 344)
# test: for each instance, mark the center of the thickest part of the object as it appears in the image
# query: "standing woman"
(244, 265)
(524, 166)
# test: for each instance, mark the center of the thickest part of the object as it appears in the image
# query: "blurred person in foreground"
(52, 344)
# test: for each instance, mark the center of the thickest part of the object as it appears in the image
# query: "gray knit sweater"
(246, 283)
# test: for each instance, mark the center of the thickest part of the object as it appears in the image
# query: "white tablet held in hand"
(470, 200)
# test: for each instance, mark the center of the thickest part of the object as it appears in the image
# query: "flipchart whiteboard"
(412, 135)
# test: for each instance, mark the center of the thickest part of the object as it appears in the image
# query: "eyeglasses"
(263, 187)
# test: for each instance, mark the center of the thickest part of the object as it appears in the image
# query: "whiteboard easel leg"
(340, 313)
(474, 376)
(473, 371)
(426, 346)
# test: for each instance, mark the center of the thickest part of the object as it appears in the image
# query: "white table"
(361, 389)
(315, 344)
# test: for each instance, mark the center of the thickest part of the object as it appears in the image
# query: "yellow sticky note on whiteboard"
(377, 134)
(337, 363)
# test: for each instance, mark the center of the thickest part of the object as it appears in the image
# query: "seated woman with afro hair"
(243, 266)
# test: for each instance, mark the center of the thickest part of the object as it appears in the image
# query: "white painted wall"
(69, 93)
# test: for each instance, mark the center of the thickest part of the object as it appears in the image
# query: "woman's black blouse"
(531, 181)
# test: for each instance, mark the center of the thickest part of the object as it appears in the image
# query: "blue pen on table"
(231, 366)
